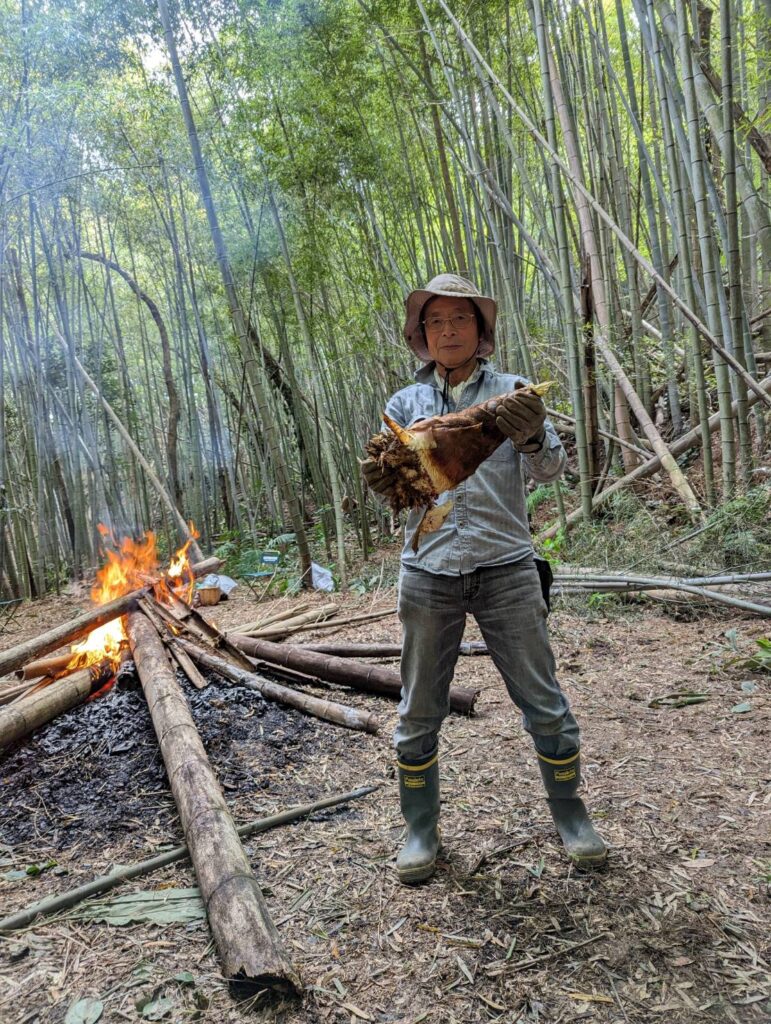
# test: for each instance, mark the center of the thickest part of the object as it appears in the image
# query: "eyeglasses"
(459, 322)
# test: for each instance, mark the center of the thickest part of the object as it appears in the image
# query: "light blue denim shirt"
(488, 522)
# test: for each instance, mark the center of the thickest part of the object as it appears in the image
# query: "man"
(480, 561)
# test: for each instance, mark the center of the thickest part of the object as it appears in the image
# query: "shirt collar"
(425, 375)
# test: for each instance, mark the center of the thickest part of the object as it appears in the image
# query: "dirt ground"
(675, 929)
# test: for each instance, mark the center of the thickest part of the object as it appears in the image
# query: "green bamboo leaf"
(741, 709)
(84, 1011)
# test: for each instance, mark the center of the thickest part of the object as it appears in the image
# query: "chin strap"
(446, 384)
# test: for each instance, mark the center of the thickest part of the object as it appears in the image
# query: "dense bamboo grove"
(211, 214)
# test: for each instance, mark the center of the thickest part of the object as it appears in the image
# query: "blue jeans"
(507, 603)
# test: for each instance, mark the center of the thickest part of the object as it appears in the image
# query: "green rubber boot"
(561, 779)
(419, 796)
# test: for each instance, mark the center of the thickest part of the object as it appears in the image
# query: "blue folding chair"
(271, 560)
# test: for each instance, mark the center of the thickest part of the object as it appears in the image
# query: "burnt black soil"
(96, 772)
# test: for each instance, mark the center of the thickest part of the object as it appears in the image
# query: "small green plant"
(553, 547)
(761, 659)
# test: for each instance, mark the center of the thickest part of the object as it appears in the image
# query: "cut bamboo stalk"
(62, 901)
(268, 620)
(22, 717)
(328, 710)
(188, 666)
(306, 620)
(248, 943)
(328, 624)
(368, 678)
(16, 657)
(190, 620)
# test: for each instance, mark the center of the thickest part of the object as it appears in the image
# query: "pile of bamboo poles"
(165, 633)
(701, 588)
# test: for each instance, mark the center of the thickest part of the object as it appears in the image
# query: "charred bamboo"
(50, 666)
(329, 710)
(248, 943)
(368, 678)
(22, 717)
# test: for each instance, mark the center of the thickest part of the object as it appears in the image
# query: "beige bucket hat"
(457, 287)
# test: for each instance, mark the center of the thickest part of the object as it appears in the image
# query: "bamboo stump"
(247, 941)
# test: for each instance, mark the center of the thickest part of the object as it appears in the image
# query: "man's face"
(452, 334)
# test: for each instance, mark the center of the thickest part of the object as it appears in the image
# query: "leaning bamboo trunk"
(329, 710)
(67, 633)
(22, 717)
(79, 627)
(368, 678)
(247, 940)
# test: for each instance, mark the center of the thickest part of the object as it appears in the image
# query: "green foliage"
(539, 496)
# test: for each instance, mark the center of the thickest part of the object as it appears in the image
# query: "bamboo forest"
(385, 425)
(211, 218)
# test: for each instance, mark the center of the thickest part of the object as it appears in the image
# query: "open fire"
(130, 565)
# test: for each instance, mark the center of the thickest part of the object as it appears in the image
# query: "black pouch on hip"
(546, 576)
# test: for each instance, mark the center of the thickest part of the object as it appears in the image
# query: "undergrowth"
(645, 536)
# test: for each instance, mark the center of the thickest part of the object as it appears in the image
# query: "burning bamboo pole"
(50, 666)
(248, 943)
(329, 710)
(22, 717)
(75, 629)
(368, 678)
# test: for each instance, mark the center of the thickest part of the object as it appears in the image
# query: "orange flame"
(130, 565)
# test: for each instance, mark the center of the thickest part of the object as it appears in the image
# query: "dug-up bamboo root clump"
(435, 455)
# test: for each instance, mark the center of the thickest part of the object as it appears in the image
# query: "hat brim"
(413, 332)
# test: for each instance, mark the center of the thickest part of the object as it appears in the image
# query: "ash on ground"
(96, 772)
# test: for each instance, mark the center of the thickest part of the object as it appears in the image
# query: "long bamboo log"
(22, 717)
(368, 678)
(329, 710)
(248, 943)
(64, 900)
(16, 657)
(471, 647)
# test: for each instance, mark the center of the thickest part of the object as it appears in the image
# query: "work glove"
(521, 417)
(381, 481)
